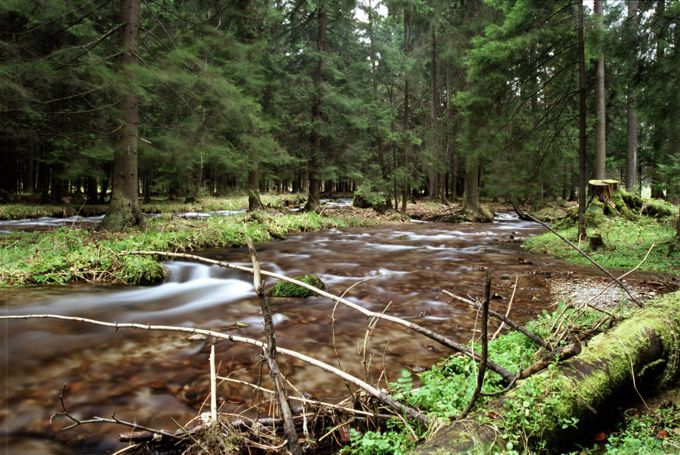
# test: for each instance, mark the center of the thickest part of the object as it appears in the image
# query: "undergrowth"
(444, 391)
(626, 243)
(67, 254)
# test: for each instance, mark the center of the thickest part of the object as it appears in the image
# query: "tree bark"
(471, 185)
(632, 145)
(677, 228)
(600, 126)
(581, 125)
(124, 209)
(641, 351)
(314, 192)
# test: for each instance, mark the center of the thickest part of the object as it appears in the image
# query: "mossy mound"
(285, 289)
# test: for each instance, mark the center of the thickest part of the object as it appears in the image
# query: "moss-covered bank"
(66, 254)
(643, 350)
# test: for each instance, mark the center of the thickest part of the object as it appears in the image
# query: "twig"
(213, 386)
(532, 336)
(380, 395)
(322, 404)
(269, 351)
(507, 312)
(505, 374)
(592, 261)
(77, 422)
(485, 344)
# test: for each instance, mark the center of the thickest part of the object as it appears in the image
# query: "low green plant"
(286, 289)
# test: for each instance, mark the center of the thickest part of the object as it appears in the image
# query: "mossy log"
(643, 351)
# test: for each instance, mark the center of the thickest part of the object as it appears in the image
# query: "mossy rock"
(285, 289)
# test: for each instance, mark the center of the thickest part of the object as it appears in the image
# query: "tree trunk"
(631, 149)
(406, 120)
(254, 201)
(471, 185)
(124, 209)
(314, 192)
(581, 125)
(646, 345)
(600, 126)
(434, 113)
(677, 228)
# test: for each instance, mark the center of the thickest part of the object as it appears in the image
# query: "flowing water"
(161, 379)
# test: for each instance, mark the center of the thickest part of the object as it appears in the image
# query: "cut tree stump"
(595, 242)
(542, 407)
(603, 190)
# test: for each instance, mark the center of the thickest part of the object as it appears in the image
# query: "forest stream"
(161, 380)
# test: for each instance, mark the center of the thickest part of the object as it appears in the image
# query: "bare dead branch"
(485, 344)
(269, 351)
(520, 328)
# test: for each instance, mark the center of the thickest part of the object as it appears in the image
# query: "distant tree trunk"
(406, 121)
(600, 126)
(677, 228)
(314, 192)
(434, 113)
(471, 185)
(254, 201)
(581, 126)
(632, 146)
(124, 208)
(658, 134)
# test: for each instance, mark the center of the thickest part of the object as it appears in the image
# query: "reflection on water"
(156, 379)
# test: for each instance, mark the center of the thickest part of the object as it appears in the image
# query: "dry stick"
(592, 261)
(213, 386)
(113, 419)
(322, 404)
(381, 396)
(533, 337)
(269, 351)
(485, 344)
(507, 312)
(504, 373)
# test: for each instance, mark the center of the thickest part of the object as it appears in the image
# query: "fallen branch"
(592, 261)
(504, 373)
(523, 330)
(485, 345)
(507, 312)
(380, 395)
(115, 420)
(269, 351)
(303, 400)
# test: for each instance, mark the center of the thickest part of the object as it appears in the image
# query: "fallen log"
(549, 408)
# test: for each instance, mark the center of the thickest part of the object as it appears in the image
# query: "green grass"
(22, 211)
(626, 243)
(66, 254)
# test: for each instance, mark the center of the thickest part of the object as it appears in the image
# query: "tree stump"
(603, 190)
(595, 242)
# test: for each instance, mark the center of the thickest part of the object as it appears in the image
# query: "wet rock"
(285, 289)
(197, 337)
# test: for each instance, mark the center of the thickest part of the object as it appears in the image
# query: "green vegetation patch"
(285, 289)
(626, 243)
(66, 254)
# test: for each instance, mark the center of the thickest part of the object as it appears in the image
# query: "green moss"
(285, 289)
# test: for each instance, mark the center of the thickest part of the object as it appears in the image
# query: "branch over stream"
(507, 376)
(380, 395)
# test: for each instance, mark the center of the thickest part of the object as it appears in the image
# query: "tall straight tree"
(581, 124)
(631, 114)
(124, 210)
(315, 139)
(601, 125)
